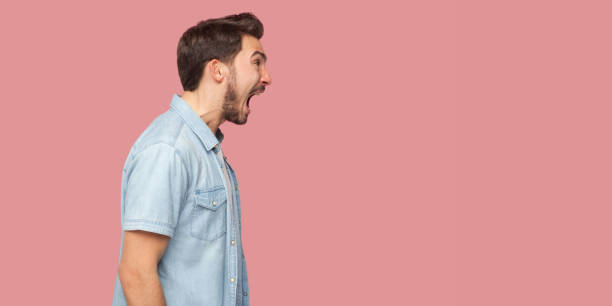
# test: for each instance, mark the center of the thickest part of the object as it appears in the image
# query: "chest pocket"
(208, 218)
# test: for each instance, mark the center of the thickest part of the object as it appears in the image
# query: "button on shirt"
(177, 182)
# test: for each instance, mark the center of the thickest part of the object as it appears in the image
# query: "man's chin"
(238, 121)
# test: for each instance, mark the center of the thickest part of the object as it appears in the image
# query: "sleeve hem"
(149, 226)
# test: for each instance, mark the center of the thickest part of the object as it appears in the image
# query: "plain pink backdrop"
(407, 153)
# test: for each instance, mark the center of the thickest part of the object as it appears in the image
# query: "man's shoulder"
(165, 129)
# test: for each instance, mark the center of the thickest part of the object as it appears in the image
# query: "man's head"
(224, 57)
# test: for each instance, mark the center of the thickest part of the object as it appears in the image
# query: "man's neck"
(211, 115)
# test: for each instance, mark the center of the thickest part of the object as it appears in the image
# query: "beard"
(232, 109)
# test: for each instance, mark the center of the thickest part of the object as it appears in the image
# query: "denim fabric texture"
(173, 184)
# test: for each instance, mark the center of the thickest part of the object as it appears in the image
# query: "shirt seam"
(149, 226)
(174, 149)
(181, 159)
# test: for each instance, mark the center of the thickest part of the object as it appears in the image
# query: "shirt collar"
(195, 123)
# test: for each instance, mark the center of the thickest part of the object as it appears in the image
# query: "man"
(180, 201)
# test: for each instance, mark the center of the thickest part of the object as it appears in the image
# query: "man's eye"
(257, 62)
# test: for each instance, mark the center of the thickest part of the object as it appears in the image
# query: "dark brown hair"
(216, 38)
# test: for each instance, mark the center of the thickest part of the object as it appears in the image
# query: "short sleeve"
(155, 188)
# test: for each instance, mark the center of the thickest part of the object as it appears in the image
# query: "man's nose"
(266, 79)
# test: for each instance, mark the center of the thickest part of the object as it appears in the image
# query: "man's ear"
(217, 70)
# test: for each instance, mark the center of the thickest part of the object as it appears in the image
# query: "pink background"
(423, 153)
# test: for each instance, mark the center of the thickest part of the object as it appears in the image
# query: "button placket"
(228, 176)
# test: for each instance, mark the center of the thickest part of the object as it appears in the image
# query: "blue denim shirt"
(173, 184)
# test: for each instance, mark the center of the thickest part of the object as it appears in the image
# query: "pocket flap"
(211, 199)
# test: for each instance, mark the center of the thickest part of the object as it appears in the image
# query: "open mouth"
(251, 96)
(249, 99)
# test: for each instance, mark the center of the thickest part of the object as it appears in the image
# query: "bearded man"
(180, 202)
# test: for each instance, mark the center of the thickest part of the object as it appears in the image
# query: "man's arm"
(138, 267)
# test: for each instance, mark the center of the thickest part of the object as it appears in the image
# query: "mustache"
(262, 89)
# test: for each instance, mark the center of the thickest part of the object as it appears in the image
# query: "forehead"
(249, 45)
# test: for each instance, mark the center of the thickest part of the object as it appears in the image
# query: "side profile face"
(248, 77)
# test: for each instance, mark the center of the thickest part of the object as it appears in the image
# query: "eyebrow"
(265, 58)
